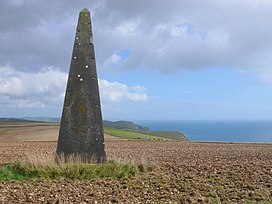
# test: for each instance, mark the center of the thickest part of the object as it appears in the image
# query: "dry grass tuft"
(49, 167)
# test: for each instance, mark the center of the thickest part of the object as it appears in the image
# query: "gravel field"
(184, 172)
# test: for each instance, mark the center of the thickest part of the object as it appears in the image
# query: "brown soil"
(28, 131)
(22, 131)
(184, 172)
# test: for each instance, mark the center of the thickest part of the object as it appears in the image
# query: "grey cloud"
(231, 33)
(37, 33)
(161, 35)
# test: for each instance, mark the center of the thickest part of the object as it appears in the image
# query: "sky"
(156, 59)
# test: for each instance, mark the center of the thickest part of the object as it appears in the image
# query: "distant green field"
(174, 135)
(128, 134)
(146, 135)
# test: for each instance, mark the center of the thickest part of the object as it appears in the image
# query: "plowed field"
(184, 172)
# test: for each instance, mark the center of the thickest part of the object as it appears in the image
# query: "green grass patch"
(25, 171)
(146, 135)
(173, 135)
(129, 134)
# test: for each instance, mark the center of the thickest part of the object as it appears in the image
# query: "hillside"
(43, 119)
(124, 125)
(15, 120)
(121, 129)
(174, 135)
(106, 123)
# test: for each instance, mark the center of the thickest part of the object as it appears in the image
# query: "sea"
(217, 131)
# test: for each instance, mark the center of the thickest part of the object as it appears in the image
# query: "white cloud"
(46, 88)
(112, 61)
(114, 91)
(48, 82)
(266, 74)
(37, 90)
(129, 28)
(31, 103)
(17, 2)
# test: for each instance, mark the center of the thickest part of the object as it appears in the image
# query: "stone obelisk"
(81, 128)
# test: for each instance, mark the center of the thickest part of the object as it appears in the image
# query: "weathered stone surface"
(81, 129)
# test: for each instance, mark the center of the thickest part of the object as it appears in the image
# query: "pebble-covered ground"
(184, 172)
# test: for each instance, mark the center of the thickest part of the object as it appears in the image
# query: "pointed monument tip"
(85, 10)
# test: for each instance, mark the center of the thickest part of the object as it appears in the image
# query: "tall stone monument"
(81, 128)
